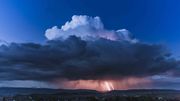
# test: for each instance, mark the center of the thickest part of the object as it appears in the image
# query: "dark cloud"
(74, 59)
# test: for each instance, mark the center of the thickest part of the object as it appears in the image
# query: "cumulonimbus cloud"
(86, 28)
(84, 49)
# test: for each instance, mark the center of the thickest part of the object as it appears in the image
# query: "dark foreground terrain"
(28, 94)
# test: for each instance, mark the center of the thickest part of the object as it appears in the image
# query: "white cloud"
(2, 42)
(87, 27)
(80, 21)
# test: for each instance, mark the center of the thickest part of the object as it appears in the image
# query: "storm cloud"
(88, 28)
(83, 49)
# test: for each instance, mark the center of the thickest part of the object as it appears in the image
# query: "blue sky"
(150, 21)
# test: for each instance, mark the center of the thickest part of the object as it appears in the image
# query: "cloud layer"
(83, 49)
(86, 28)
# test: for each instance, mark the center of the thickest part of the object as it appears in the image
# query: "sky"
(54, 26)
(151, 20)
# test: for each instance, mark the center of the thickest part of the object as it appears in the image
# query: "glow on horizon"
(104, 85)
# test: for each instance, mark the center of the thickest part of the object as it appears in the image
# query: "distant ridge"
(8, 91)
(11, 91)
